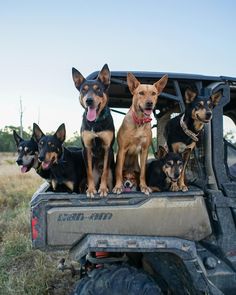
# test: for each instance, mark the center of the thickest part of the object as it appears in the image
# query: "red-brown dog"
(134, 136)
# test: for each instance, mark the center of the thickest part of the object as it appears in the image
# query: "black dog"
(184, 130)
(67, 167)
(97, 131)
(164, 172)
(28, 156)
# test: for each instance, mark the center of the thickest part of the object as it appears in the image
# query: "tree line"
(7, 142)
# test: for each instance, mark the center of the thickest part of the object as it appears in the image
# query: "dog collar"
(188, 132)
(140, 121)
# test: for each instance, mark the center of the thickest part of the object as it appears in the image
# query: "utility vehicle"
(166, 243)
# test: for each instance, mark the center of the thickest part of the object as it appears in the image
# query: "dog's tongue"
(127, 189)
(91, 114)
(45, 165)
(148, 112)
(24, 169)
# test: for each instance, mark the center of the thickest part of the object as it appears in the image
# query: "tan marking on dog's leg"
(155, 189)
(119, 170)
(91, 191)
(174, 187)
(181, 183)
(70, 185)
(54, 184)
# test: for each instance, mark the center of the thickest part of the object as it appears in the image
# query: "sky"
(40, 41)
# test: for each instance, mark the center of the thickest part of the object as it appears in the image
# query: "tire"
(117, 280)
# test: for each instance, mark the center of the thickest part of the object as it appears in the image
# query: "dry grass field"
(22, 269)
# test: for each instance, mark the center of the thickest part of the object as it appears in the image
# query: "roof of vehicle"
(120, 96)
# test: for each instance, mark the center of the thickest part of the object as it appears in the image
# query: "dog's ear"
(17, 138)
(161, 84)
(78, 78)
(215, 98)
(189, 95)
(162, 152)
(37, 132)
(104, 76)
(61, 133)
(132, 82)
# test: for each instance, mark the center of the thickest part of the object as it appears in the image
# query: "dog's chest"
(138, 141)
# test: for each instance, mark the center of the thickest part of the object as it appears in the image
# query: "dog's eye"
(154, 93)
(141, 93)
(210, 104)
(168, 163)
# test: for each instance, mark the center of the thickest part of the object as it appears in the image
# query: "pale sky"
(42, 40)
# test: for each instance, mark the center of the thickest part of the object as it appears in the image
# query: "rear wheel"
(117, 280)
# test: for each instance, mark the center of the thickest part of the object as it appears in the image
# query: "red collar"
(140, 121)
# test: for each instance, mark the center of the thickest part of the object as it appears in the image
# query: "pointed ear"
(160, 84)
(162, 152)
(104, 75)
(189, 95)
(185, 154)
(17, 138)
(78, 78)
(215, 98)
(37, 132)
(61, 133)
(132, 82)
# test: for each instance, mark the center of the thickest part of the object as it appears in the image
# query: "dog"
(135, 135)
(28, 156)
(66, 166)
(163, 173)
(130, 181)
(183, 131)
(97, 130)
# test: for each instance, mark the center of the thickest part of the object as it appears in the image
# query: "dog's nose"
(89, 101)
(41, 158)
(208, 115)
(19, 162)
(176, 175)
(149, 104)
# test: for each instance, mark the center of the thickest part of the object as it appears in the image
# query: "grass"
(22, 269)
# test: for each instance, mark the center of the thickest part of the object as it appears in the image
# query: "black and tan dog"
(135, 135)
(183, 131)
(28, 156)
(163, 173)
(97, 130)
(66, 166)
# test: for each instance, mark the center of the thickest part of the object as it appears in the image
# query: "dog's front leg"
(143, 159)
(91, 191)
(119, 169)
(103, 189)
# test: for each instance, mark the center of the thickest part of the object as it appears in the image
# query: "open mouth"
(92, 113)
(26, 168)
(147, 111)
(46, 165)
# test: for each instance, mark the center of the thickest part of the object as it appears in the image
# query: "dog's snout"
(149, 104)
(176, 175)
(208, 115)
(41, 158)
(19, 162)
(89, 101)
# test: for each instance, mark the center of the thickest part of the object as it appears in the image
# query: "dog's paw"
(145, 189)
(117, 190)
(91, 192)
(103, 191)
(184, 188)
(174, 187)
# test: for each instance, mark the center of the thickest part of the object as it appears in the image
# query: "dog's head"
(201, 107)
(93, 93)
(27, 152)
(49, 146)
(172, 163)
(130, 181)
(144, 95)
